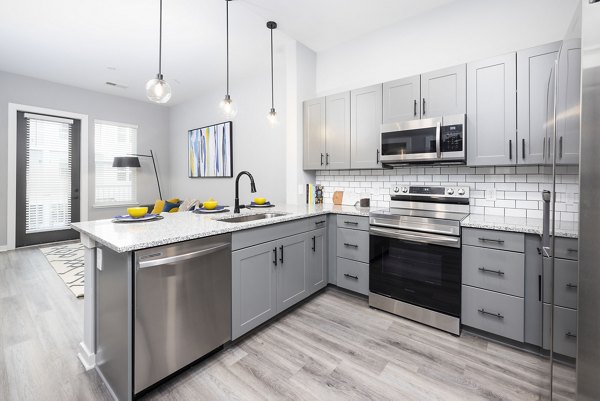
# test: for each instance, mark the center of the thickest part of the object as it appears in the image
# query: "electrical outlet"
(490, 194)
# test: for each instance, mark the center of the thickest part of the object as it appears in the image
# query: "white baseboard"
(87, 359)
(3, 248)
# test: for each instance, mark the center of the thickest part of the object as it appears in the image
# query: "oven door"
(417, 140)
(418, 268)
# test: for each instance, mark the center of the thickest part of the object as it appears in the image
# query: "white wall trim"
(11, 193)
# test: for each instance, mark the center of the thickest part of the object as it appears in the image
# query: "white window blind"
(114, 186)
(48, 173)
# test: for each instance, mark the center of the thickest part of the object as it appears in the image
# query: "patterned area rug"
(67, 260)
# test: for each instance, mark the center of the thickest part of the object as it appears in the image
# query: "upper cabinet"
(402, 100)
(443, 92)
(534, 94)
(314, 134)
(568, 102)
(365, 125)
(337, 131)
(491, 111)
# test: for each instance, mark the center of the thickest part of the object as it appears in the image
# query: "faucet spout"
(237, 189)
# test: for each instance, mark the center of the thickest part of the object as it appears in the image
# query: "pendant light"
(228, 108)
(157, 89)
(272, 116)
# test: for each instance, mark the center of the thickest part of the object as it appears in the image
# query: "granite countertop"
(567, 229)
(183, 226)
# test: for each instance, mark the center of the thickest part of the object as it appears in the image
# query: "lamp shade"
(126, 161)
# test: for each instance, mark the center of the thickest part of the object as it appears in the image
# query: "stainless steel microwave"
(432, 140)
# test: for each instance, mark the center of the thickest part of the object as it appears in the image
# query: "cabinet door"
(401, 100)
(316, 259)
(569, 92)
(337, 132)
(314, 134)
(366, 114)
(492, 111)
(291, 271)
(444, 92)
(534, 68)
(253, 287)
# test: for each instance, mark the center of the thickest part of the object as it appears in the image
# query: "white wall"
(152, 132)
(462, 31)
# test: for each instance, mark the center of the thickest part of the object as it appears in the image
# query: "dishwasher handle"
(186, 256)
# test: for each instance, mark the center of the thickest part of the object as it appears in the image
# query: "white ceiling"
(86, 43)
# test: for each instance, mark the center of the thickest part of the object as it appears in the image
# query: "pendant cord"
(160, 42)
(227, 40)
(272, 90)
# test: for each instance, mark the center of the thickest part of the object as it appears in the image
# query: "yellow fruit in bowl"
(260, 201)
(137, 212)
(210, 204)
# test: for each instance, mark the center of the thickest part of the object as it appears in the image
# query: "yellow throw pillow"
(158, 207)
(173, 200)
(174, 210)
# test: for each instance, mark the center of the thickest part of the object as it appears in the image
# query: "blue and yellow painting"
(210, 151)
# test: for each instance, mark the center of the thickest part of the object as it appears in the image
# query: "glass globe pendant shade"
(272, 117)
(228, 108)
(158, 90)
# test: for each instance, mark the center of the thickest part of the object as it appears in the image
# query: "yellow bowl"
(137, 212)
(210, 204)
(260, 201)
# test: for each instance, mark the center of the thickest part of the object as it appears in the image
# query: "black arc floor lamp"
(132, 160)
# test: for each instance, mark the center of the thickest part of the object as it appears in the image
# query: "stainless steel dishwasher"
(182, 306)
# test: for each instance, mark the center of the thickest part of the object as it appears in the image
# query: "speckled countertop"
(568, 229)
(177, 227)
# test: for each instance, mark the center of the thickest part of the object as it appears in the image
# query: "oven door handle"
(433, 239)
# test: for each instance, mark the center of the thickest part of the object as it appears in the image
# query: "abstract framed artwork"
(210, 151)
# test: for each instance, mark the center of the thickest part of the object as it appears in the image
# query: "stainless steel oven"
(432, 140)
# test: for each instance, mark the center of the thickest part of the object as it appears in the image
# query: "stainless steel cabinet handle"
(351, 276)
(423, 106)
(572, 250)
(438, 140)
(415, 108)
(498, 272)
(571, 285)
(499, 241)
(281, 257)
(327, 159)
(483, 311)
(180, 258)
(351, 245)
(544, 150)
(275, 256)
(560, 147)
(510, 149)
(571, 335)
(354, 223)
(319, 222)
(523, 148)
(321, 159)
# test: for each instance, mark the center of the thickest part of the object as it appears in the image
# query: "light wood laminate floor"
(333, 347)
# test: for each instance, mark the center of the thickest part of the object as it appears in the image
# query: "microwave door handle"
(438, 140)
(426, 238)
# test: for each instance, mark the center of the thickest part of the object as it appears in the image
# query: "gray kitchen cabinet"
(492, 111)
(291, 271)
(565, 330)
(314, 134)
(365, 126)
(534, 70)
(401, 99)
(443, 92)
(533, 296)
(316, 260)
(569, 65)
(337, 131)
(254, 287)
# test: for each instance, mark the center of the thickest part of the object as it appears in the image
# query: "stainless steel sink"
(251, 217)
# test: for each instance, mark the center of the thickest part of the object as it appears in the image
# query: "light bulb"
(272, 117)
(228, 108)
(158, 90)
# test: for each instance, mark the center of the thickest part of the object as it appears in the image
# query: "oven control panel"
(433, 191)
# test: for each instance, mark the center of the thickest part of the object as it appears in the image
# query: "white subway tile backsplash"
(494, 178)
(515, 212)
(505, 170)
(527, 187)
(484, 170)
(515, 178)
(521, 204)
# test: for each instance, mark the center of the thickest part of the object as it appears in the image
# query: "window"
(114, 186)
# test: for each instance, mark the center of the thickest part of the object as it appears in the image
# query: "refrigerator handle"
(546, 196)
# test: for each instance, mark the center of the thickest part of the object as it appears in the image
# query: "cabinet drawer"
(353, 244)
(355, 222)
(495, 313)
(495, 270)
(567, 248)
(565, 330)
(565, 282)
(353, 276)
(494, 239)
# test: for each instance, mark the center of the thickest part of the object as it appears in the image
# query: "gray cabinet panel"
(353, 244)
(504, 240)
(316, 260)
(401, 100)
(491, 111)
(291, 271)
(566, 282)
(565, 330)
(444, 92)
(253, 287)
(493, 312)
(533, 300)
(534, 68)
(566, 248)
(337, 131)
(332, 250)
(494, 270)
(353, 275)
(314, 134)
(366, 113)
(569, 92)
(354, 222)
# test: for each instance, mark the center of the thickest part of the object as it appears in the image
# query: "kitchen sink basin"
(251, 217)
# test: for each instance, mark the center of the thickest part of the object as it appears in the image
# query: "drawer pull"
(483, 311)
(499, 241)
(572, 250)
(354, 223)
(571, 286)
(570, 335)
(498, 272)
(351, 276)
(351, 245)
(319, 222)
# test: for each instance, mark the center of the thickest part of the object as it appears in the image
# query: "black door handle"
(377, 156)
(327, 159)
(560, 147)
(321, 159)
(423, 106)
(415, 108)
(314, 247)
(523, 148)
(275, 256)
(351, 245)
(281, 257)
(350, 276)
(510, 149)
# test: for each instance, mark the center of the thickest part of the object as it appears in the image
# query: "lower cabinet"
(316, 256)
(291, 271)
(353, 275)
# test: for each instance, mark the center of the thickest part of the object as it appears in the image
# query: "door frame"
(11, 193)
